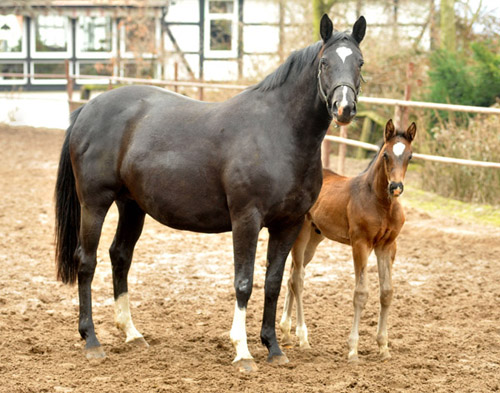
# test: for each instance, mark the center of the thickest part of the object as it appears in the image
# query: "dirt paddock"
(444, 325)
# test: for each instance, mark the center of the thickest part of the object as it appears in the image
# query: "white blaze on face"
(344, 102)
(238, 334)
(343, 52)
(398, 148)
(123, 318)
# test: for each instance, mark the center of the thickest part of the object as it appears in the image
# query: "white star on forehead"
(343, 52)
(399, 148)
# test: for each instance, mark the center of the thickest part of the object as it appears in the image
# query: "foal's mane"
(297, 61)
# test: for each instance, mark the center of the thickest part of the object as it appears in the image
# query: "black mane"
(296, 62)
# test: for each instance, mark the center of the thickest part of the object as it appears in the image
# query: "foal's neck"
(377, 178)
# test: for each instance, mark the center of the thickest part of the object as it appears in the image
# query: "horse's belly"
(188, 199)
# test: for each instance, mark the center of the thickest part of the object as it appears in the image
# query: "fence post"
(325, 151)
(69, 85)
(176, 76)
(342, 151)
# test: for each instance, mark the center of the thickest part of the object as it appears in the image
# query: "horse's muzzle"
(395, 189)
(343, 105)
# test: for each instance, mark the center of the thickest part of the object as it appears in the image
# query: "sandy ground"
(444, 325)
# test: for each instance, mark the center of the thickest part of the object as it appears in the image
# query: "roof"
(71, 7)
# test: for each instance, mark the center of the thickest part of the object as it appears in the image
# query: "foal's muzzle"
(395, 189)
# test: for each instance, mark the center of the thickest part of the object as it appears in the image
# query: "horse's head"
(339, 73)
(396, 154)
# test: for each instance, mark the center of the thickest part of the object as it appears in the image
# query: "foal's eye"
(411, 156)
(386, 156)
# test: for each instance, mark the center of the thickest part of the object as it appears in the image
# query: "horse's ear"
(411, 131)
(390, 131)
(359, 29)
(326, 28)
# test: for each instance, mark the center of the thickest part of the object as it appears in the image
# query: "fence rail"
(426, 157)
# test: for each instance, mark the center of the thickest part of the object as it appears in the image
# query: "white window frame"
(54, 55)
(96, 55)
(233, 17)
(15, 81)
(24, 43)
(36, 81)
(124, 54)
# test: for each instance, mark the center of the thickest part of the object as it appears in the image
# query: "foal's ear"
(411, 131)
(359, 29)
(390, 131)
(326, 28)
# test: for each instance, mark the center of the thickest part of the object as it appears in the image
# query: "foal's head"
(396, 154)
(339, 73)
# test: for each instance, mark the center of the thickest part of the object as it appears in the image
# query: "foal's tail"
(67, 213)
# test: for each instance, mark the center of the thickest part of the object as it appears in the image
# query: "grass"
(433, 203)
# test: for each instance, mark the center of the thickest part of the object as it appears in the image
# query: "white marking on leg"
(238, 334)
(399, 148)
(344, 101)
(123, 318)
(343, 52)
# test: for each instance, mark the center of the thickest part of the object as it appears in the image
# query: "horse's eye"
(386, 156)
(361, 63)
(411, 156)
(323, 62)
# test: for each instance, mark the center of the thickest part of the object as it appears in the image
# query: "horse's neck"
(304, 108)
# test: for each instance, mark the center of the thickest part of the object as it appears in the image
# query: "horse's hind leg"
(297, 260)
(301, 329)
(130, 224)
(360, 252)
(385, 259)
(90, 232)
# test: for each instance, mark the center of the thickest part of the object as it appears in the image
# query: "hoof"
(95, 353)
(278, 360)
(385, 355)
(354, 359)
(287, 343)
(138, 342)
(305, 345)
(246, 365)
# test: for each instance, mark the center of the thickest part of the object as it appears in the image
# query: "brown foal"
(364, 212)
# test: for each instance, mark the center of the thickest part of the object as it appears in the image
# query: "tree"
(320, 7)
(448, 30)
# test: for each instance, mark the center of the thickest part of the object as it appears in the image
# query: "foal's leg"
(129, 229)
(301, 329)
(385, 259)
(360, 252)
(245, 228)
(298, 250)
(90, 232)
(280, 243)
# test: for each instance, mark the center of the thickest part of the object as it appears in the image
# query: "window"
(94, 37)
(51, 36)
(48, 67)
(140, 39)
(94, 68)
(12, 36)
(13, 68)
(221, 28)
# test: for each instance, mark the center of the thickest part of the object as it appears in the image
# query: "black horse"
(250, 162)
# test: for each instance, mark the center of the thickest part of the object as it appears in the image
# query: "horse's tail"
(67, 213)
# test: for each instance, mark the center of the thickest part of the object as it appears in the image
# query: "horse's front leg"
(360, 252)
(385, 259)
(280, 243)
(246, 228)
